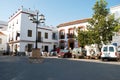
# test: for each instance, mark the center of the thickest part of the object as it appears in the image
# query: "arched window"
(70, 33)
(62, 34)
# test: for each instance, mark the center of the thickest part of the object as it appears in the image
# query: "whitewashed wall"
(116, 11)
(3, 45)
(19, 22)
(73, 26)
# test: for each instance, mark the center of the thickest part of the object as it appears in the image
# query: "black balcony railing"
(70, 35)
(62, 37)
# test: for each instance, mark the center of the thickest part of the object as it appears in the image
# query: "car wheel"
(74, 56)
(65, 56)
(104, 59)
(117, 59)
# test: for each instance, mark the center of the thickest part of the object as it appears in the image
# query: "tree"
(85, 37)
(117, 28)
(81, 37)
(101, 26)
(102, 23)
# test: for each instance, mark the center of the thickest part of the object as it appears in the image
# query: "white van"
(109, 52)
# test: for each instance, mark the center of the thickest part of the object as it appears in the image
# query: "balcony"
(62, 36)
(70, 35)
(18, 36)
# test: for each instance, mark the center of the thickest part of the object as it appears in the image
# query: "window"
(29, 33)
(111, 49)
(17, 21)
(13, 24)
(70, 33)
(54, 36)
(105, 49)
(30, 47)
(62, 34)
(0, 41)
(17, 35)
(39, 37)
(46, 35)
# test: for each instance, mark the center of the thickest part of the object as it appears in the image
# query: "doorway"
(71, 45)
(46, 48)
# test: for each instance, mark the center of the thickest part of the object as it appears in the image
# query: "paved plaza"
(19, 68)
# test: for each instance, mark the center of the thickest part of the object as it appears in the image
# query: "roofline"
(116, 6)
(18, 14)
(2, 33)
(73, 22)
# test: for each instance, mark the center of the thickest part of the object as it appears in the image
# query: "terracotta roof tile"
(1, 33)
(73, 22)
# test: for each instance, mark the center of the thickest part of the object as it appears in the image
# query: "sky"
(55, 11)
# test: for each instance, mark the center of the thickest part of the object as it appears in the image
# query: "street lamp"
(37, 19)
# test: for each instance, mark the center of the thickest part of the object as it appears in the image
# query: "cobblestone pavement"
(52, 68)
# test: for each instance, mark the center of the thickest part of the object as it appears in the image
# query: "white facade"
(3, 36)
(69, 30)
(3, 26)
(18, 27)
(3, 42)
(116, 11)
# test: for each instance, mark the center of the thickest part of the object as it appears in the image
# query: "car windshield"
(74, 49)
(77, 49)
(64, 51)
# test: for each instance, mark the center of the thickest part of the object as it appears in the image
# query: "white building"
(3, 36)
(116, 11)
(22, 33)
(3, 25)
(3, 41)
(67, 32)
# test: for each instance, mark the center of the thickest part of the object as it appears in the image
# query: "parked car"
(109, 52)
(94, 54)
(64, 54)
(77, 53)
(53, 53)
(45, 53)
